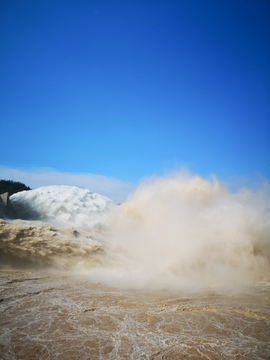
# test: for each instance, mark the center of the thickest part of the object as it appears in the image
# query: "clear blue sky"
(133, 88)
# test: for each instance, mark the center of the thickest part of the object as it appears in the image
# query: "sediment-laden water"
(181, 270)
(45, 315)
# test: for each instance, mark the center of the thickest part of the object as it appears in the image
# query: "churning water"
(181, 269)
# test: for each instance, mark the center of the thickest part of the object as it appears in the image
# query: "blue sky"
(126, 89)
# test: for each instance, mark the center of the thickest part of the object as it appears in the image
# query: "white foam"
(62, 206)
(172, 232)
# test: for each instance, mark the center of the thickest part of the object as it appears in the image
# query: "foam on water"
(45, 315)
(62, 206)
(172, 232)
(28, 244)
(173, 235)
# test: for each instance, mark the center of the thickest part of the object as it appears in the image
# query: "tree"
(12, 187)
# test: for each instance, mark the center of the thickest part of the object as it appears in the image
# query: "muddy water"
(48, 316)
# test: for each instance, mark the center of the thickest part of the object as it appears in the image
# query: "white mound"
(62, 205)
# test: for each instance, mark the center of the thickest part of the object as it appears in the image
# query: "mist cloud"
(185, 231)
(179, 232)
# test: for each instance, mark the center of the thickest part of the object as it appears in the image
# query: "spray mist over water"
(184, 231)
(173, 232)
(178, 233)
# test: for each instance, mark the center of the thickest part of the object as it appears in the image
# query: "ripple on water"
(46, 316)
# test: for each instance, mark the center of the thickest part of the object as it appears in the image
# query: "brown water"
(208, 247)
(59, 316)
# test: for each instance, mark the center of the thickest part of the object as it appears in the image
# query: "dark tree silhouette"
(12, 187)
